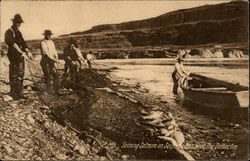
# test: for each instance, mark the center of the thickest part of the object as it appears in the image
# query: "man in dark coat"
(73, 60)
(18, 52)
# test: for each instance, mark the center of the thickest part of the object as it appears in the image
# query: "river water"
(157, 78)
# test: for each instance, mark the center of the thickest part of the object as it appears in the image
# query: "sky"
(64, 17)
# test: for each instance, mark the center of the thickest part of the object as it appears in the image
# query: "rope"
(84, 133)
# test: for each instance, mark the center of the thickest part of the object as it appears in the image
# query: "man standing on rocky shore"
(73, 60)
(18, 52)
(48, 62)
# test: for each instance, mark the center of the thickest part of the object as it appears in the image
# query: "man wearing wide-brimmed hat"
(49, 62)
(18, 52)
(73, 59)
(179, 74)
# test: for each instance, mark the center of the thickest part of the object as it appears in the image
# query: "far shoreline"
(171, 61)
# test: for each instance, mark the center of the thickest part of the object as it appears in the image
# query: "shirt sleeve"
(179, 69)
(55, 51)
(44, 48)
(79, 54)
(9, 38)
(183, 70)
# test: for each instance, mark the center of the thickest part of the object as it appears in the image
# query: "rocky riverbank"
(106, 117)
(72, 126)
(31, 130)
(208, 133)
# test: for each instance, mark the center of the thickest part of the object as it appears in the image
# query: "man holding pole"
(49, 63)
(18, 52)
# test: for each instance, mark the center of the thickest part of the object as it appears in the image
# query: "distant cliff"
(225, 23)
(221, 23)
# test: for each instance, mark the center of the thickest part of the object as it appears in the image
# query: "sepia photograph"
(124, 80)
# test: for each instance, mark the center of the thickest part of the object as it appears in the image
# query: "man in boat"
(179, 75)
(18, 52)
(73, 59)
(49, 63)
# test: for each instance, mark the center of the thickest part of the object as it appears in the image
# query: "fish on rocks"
(166, 132)
(169, 139)
(154, 115)
(179, 137)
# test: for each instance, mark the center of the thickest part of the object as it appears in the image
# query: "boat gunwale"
(211, 91)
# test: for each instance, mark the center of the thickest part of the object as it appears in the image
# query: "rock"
(102, 158)
(82, 150)
(30, 119)
(105, 89)
(132, 100)
(238, 53)
(236, 125)
(46, 124)
(39, 158)
(231, 55)
(14, 105)
(163, 101)
(189, 136)
(170, 115)
(45, 107)
(29, 88)
(205, 53)
(218, 54)
(8, 149)
(7, 98)
(234, 53)
(16, 114)
(94, 150)
(124, 157)
(61, 156)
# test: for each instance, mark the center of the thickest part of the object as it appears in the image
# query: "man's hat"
(71, 41)
(17, 18)
(47, 32)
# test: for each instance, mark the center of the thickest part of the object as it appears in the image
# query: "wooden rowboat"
(215, 93)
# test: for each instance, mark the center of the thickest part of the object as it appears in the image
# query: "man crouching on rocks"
(49, 63)
(18, 52)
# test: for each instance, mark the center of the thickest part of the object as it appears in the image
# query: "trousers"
(74, 68)
(16, 76)
(52, 81)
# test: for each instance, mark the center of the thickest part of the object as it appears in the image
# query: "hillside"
(225, 23)
(184, 27)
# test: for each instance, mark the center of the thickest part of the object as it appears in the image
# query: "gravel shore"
(109, 109)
